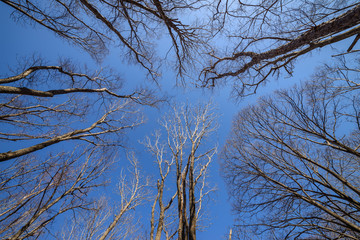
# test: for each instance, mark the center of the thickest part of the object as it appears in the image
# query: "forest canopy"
(68, 128)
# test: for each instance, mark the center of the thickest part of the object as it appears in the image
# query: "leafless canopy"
(269, 36)
(36, 191)
(266, 37)
(131, 25)
(44, 105)
(112, 219)
(292, 161)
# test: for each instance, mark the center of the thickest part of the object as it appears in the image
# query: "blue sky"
(20, 40)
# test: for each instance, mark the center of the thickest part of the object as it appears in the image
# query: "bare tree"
(182, 160)
(292, 160)
(107, 222)
(270, 35)
(45, 106)
(35, 192)
(131, 25)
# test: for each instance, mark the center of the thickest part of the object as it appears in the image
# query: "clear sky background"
(20, 40)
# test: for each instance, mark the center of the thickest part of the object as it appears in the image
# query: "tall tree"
(268, 36)
(183, 158)
(292, 160)
(43, 106)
